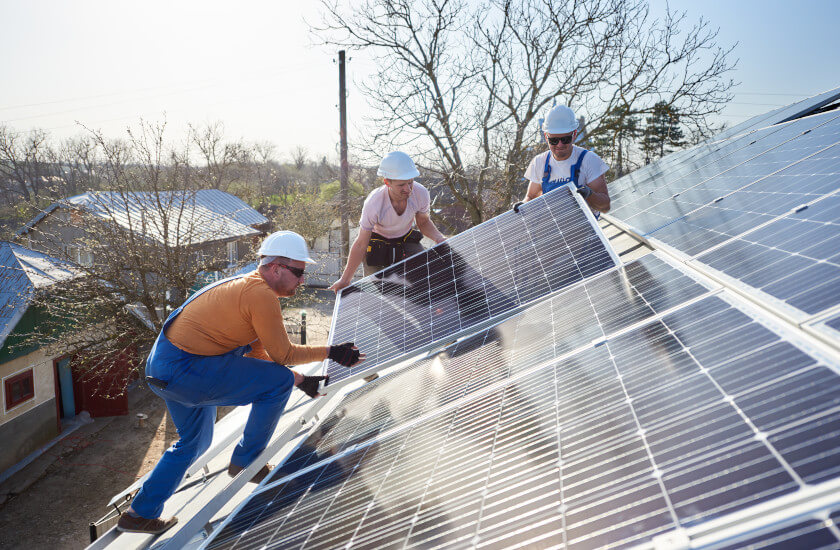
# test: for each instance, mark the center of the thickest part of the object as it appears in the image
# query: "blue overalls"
(575, 176)
(192, 387)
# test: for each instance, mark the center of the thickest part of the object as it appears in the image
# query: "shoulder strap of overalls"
(576, 168)
(199, 293)
(546, 171)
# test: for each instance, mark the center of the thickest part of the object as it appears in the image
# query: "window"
(81, 257)
(19, 388)
(232, 252)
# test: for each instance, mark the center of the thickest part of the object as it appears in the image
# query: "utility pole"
(342, 109)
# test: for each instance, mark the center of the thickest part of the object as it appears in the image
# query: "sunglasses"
(296, 271)
(565, 140)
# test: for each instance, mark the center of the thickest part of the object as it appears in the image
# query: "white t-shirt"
(378, 213)
(591, 168)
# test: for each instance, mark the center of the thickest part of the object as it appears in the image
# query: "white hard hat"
(288, 244)
(560, 120)
(396, 165)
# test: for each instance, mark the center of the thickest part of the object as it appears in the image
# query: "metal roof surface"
(21, 272)
(204, 216)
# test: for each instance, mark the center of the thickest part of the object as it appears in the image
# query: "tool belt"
(384, 252)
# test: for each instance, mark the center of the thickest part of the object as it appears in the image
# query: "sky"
(254, 67)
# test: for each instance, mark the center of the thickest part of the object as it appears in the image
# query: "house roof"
(230, 206)
(204, 216)
(21, 272)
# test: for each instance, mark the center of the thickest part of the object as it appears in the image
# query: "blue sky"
(252, 66)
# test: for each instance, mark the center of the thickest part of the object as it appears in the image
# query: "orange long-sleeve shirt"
(236, 313)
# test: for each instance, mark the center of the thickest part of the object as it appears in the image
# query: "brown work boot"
(233, 469)
(135, 524)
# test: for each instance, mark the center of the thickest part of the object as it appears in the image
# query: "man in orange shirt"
(227, 345)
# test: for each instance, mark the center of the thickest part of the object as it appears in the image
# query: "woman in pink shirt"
(386, 234)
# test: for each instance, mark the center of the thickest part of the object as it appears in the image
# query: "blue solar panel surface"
(763, 209)
(482, 273)
(584, 314)
(650, 204)
(795, 258)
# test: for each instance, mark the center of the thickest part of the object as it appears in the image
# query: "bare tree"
(24, 162)
(139, 247)
(76, 161)
(300, 156)
(463, 84)
(223, 160)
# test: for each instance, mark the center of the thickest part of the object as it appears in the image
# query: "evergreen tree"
(662, 133)
(618, 129)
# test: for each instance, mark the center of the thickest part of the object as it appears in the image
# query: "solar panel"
(541, 403)
(768, 224)
(795, 258)
(693, 415)
(647, 187)
(782, 114)
(732, 167)
(476, 276)
(585, 313)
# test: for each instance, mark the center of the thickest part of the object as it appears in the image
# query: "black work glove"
(344, 354)
(584, 191)
(309, 386)
(517, 205)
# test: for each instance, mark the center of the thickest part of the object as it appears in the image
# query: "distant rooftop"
(21, 272)
(206, 215)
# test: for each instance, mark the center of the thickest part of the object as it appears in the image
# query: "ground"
(75, 479)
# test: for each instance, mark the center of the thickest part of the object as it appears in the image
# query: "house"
(32, 383)
(212, 223)
(41, 388)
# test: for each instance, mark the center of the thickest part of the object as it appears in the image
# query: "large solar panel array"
(534, 404)
(762, 209)
(478, 275)
(688, 415)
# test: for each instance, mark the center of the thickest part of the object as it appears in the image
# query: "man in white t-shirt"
(565, 162)
(385, 229)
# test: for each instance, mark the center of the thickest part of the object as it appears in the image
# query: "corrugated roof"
(198, 217)
(230, 206)
(21, 272)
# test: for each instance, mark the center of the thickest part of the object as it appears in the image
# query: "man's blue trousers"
(195, 386)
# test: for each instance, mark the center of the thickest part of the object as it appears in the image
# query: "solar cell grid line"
(794, 260)
(498, 266)
(755, 204)
(704, 187)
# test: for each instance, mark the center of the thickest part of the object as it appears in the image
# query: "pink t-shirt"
(378, 213)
